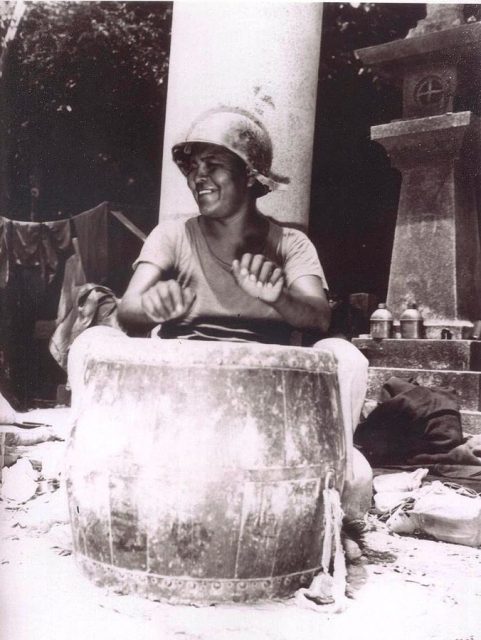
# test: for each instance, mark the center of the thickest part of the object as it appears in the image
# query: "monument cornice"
(409, 142)
(459, 44)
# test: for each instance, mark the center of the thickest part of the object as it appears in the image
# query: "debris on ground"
(406, 586)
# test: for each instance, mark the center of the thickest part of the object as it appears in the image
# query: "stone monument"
(436, 259)
(436, 252)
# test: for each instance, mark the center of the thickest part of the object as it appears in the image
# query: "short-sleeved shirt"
(222, 310)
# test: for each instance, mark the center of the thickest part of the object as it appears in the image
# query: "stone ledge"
(466, 384)
(462, 355)
(471, 422)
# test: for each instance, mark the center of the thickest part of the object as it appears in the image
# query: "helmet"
(241, 133)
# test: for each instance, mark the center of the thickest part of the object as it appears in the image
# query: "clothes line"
(39, 244)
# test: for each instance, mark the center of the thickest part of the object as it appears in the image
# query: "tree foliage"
(63, 49)
(88, 86)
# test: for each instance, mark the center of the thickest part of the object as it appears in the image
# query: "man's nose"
(201, 172)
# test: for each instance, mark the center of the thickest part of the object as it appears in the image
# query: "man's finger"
(162, 291)
(266, 271)
(245, 264)
(256, 266)
(275, 277)
(176, 297)
(153, 306)
(189, 297)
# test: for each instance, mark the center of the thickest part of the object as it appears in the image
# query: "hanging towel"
(73, 280)
(4, 263)
(91, 229)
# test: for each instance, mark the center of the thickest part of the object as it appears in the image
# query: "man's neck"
(235, 228)
(241, 232)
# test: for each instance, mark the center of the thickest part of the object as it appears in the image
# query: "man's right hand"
(166, 300)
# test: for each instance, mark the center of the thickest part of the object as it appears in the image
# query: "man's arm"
(150, 300)
(303, 305)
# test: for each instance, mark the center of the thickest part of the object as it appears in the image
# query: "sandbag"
(412, 425)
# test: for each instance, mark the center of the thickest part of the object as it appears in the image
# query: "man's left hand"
(259, 277)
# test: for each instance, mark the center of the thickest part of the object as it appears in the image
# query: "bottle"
(411, 322)
(381, 322)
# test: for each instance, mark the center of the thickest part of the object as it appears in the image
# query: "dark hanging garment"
(26, 244)
(59, 235)
(74, 279)
(91, 229)
(38, 244)
(4, 262)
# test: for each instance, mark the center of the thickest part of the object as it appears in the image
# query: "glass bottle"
(381, 322)
(411, 322)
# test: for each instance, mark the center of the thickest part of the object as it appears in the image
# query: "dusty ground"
(432, 590)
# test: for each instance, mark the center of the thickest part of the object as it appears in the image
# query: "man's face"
(218, 180)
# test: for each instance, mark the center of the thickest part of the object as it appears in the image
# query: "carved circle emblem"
(429, 91)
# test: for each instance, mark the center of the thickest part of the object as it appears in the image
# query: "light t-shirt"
(222, 310)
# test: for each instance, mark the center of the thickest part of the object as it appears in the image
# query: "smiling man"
(230, 273)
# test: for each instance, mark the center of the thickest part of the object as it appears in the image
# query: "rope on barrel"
(325, 588)
(333, 513)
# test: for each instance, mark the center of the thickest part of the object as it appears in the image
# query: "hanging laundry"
(59, 233)
(91, 229)
(37, 244)
(4, 263)
(73, 280)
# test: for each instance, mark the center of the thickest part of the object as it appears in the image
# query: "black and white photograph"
(240, 320)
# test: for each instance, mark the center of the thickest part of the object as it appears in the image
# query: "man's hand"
(259, 277)
(166, 300)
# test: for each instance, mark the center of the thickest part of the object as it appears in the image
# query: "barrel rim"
(208, 354)
(184, 589)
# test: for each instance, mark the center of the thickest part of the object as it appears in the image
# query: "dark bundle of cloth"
(89, 305)
(416, 425)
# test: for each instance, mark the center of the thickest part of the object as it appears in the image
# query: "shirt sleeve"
(300, 257)
(160, 246)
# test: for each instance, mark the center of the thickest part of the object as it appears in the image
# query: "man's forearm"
(131, 313)
(302, 311)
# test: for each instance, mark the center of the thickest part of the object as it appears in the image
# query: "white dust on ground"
(432, 591)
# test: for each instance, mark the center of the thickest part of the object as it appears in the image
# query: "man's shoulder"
(288, 235)
(173, 226)
(286, 229)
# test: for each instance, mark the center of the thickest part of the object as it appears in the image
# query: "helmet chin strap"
(272, 185)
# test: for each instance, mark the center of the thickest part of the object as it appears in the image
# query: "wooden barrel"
(195, 470)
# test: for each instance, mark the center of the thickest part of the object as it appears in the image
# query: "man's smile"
(206, 193)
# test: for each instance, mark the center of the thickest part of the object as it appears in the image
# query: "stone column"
(259, 56)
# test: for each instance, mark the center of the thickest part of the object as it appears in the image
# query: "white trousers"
(352, 371)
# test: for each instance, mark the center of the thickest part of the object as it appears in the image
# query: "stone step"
(466, 384)
(471, 422)
(462, 355)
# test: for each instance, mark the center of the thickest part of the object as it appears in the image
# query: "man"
(231, 273)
